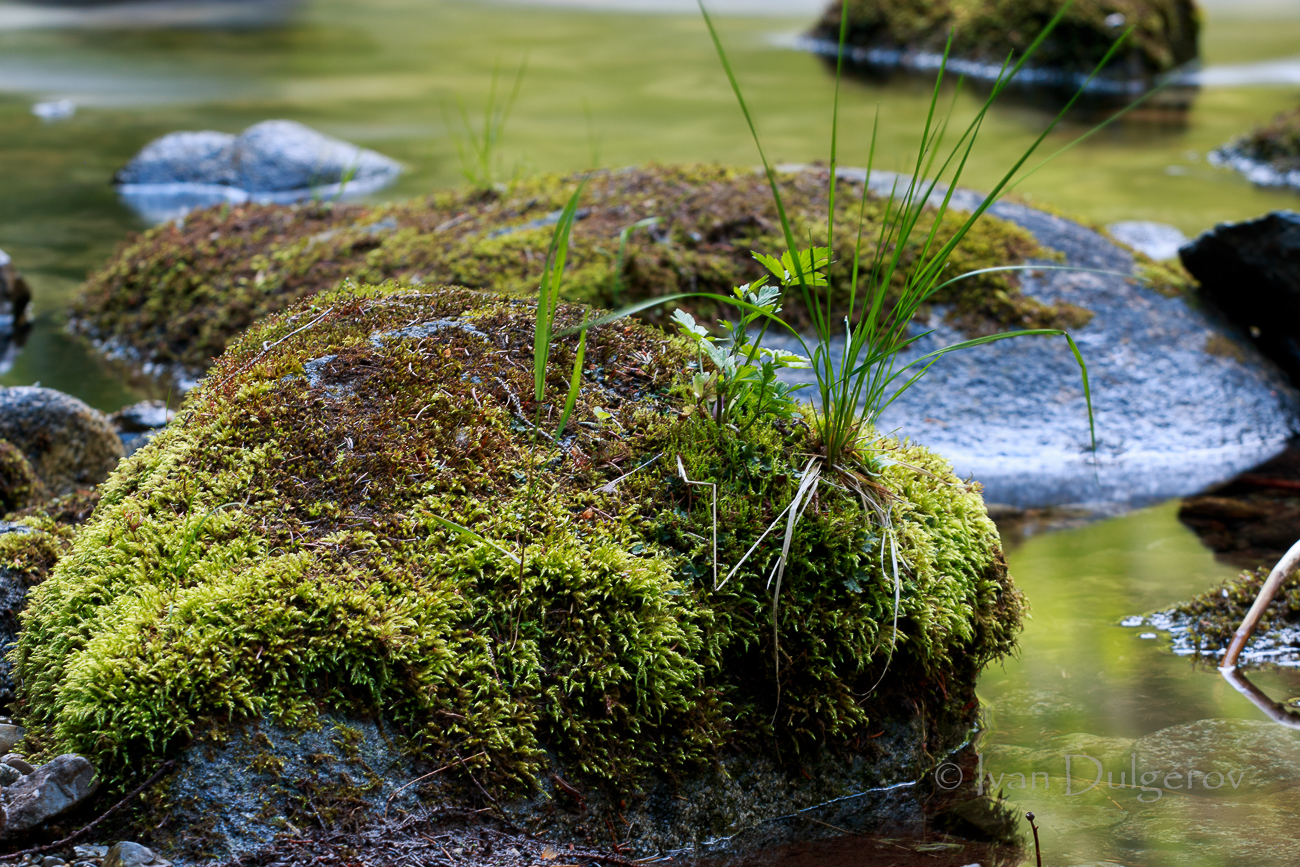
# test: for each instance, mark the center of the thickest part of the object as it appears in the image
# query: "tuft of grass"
(479, 148)
(868, 374)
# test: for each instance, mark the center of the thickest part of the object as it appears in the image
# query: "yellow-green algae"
(177, 295)
(277, 550)
(1164, 32)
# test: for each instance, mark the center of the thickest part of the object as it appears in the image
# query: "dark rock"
(69, 444)
(48, 791)
(14, 296)
(1251, 271)
(273, 161)
(14, 760)
(8, 775)
(127, 854)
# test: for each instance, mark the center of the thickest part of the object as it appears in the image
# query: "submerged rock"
(1252, 519)
(273, 161)
(893, 34)
(291, 549)
(1269, 156)
(68, 444)
(1251, 271)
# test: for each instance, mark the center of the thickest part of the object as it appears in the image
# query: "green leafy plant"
(744, 379)
(856, 384)
(869, 372)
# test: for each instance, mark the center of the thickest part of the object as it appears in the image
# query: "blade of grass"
(477, 537)
(575, 382)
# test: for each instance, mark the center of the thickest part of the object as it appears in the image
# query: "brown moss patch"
(178, 295)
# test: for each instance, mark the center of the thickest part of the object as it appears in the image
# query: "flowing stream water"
(618, 86)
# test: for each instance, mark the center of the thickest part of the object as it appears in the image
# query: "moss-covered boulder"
(286, 549)
(1268, 155)
(172, 298)
(19, 485)
(912, 33)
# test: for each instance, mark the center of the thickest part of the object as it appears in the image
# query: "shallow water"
(1084, 685)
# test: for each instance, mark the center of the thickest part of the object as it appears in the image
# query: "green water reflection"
(1084, 685)
(381, 73)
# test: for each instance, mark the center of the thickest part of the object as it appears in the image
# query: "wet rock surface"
(69, 444)
(44, 793)
(1251, 272)
(273, 161)
(1157, 240)
(1174, 411)
(138, 423)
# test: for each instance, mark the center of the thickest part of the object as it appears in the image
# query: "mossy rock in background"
(173, 298)
(1268, 155)
(19, 485)
(1164, 36)
(278, 552)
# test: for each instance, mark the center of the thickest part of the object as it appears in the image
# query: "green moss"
(180, 295)
(276, 550)
(1276, 142)
(1212, 617)
(1164, 31)
(19, 484)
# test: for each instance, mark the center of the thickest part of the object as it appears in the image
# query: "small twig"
(476, 782)
(1037, 853)
(1280, 573)
(833, 827)
(610, 487)
(681, 469)
(418, 779)
(267, 347)
(76, 835)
